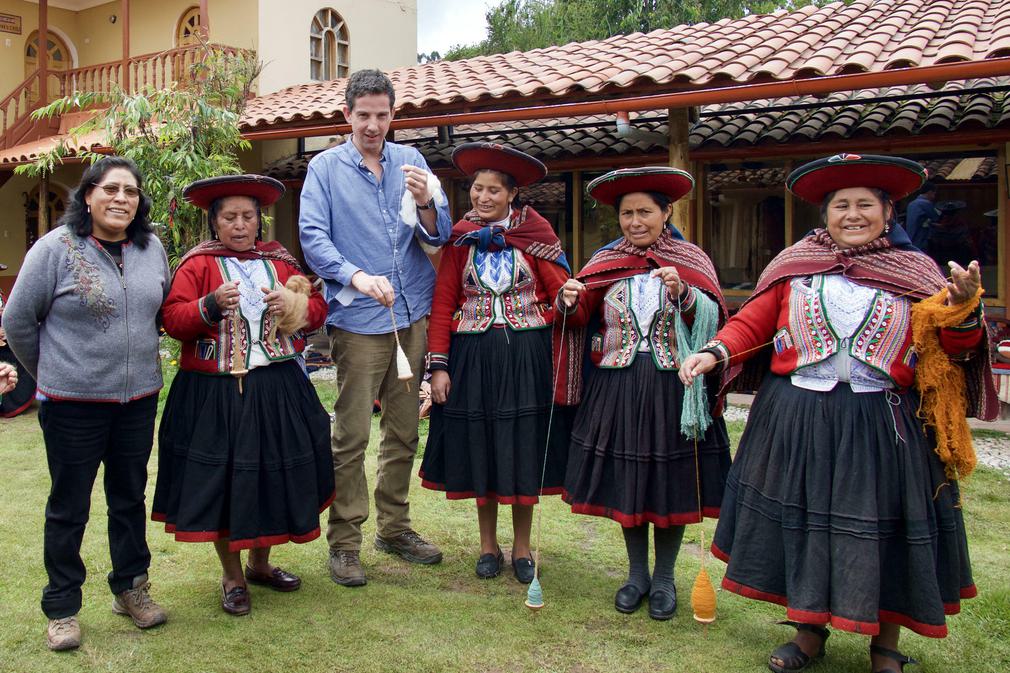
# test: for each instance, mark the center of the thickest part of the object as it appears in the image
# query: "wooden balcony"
(157, 70)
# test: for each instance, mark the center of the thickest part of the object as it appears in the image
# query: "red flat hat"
(473, 157)
(897, 176)
(203, 192)
(672, 182)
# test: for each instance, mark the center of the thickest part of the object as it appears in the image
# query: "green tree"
(522, 25)
(176, 135)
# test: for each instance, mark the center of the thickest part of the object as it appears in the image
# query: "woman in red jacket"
(490, 343)
(244, 450)
(630, 459)
(838, 505)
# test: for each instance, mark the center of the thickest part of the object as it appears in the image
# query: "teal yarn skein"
(695, 417)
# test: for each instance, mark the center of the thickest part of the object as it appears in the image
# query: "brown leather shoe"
(345, 568)
(410, 546)
(236, 601)
(276, 579)
(138, 604)
(63, 634)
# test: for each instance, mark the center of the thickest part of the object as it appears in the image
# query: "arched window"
(187, 31)
(329, 46)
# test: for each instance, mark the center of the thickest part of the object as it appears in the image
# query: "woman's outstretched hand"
(964, 283)
(695, 365)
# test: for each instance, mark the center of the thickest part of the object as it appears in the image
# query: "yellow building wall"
(12, 47)
(98, 39)
(12, 226)
(383, 34)
(93, 38)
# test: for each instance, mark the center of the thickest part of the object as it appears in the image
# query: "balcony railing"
(16, 106)
(158, 70)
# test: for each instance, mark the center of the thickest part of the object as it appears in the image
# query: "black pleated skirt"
(837, 507)
(18, 400)
(254, 469)
(489, 440)
(628, 460)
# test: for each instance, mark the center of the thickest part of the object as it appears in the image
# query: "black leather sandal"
(793, 658)
(891, 654)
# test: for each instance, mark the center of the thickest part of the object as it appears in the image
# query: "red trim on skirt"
(490, 496)
(246, 543)
(639, 518)
(12, 414)
(864, 628)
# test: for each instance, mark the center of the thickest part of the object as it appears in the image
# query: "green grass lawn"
(442, 618)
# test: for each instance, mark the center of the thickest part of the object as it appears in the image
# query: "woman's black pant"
(79, 437)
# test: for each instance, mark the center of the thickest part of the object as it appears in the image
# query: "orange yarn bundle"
(703, 593)
(941, 383)
(298, 289)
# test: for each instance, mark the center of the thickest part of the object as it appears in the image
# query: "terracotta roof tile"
(30, 151)
(737, 125)
(835, 39)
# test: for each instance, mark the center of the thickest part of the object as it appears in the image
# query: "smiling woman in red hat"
(842, 504)
(629, 460)
(244, 449)
(490, 341)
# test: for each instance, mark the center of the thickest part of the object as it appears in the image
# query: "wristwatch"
(427, 206)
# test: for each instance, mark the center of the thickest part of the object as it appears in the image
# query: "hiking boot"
(410, 547)
(345, 568)
(138, 604)
(63, 634)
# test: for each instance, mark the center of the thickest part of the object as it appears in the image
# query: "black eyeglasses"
(111, 189)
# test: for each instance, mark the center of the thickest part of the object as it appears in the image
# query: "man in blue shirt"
(376, 275)
(921, 215)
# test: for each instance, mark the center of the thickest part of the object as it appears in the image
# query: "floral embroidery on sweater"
(88, 285)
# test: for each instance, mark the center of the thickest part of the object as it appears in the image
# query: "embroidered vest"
(877, 342)
(282, 347)
(615, 346)
(519, 305)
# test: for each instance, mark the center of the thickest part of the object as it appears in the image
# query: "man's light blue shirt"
(350, 222)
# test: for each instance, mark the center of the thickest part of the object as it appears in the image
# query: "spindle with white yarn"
(403, 371)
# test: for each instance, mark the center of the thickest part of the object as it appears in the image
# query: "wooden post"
(43, 204)
(43, 51)
(204, 21)
(1002, 184)
(124, 73)
(679, 127)
(576, 221)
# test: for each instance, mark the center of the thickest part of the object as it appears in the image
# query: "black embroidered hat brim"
(265, 190)
(896, 176)
(672, 182)
(473, 157)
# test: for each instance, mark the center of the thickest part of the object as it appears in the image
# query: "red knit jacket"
(766, 319)
(449, 297)
(191, 316)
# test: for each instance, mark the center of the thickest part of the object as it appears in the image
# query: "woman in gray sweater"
(82, 318)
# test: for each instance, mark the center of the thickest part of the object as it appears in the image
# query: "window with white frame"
(329, 46)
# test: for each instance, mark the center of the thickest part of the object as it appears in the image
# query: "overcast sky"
(445, 23)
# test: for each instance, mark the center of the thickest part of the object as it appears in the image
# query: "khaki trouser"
(366, 370)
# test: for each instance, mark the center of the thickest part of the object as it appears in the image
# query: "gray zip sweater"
(83, 329)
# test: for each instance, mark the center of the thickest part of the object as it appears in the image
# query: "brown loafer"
(276, 579)
(236, 601)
